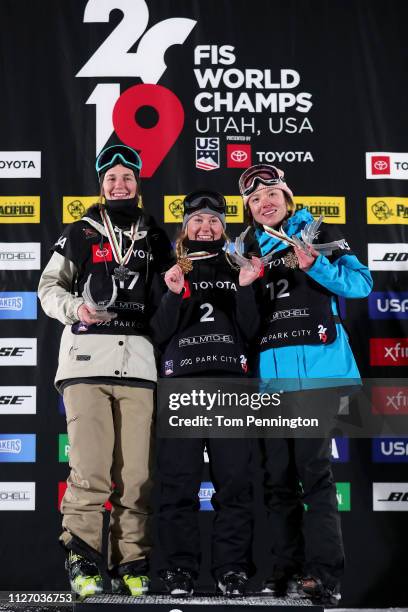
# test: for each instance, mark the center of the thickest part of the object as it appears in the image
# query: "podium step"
(200, 602)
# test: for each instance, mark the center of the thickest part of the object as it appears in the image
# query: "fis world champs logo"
(118, 112)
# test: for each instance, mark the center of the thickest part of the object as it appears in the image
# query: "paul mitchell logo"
(194, 340)
(20, 164)
(292, 313)
(20, 256)
(17, 496)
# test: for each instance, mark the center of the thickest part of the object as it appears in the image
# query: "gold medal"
(291, 261)
(185, 264)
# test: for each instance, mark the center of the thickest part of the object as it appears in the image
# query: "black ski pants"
(180, 470)
(297, 472)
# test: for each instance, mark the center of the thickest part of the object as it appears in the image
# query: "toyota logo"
(239, 156)
(102, 252)
(380, 165)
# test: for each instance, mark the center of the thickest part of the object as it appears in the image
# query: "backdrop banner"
(203, 90)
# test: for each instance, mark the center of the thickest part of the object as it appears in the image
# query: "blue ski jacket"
(309, 366)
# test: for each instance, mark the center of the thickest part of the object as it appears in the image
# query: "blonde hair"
(182, 252)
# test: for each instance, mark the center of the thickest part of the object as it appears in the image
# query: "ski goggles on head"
(204, 199)
(118, 154)
(261, 173)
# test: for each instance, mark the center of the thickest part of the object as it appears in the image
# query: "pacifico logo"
(73, 207)
(387, 211)
(333, 208)
(19, 209)
(20, 164)
(173, 209)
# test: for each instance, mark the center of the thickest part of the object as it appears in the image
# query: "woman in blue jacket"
(302, 341)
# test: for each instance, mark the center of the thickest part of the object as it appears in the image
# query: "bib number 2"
(209, 309)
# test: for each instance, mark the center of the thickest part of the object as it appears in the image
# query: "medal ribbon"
(122, 261)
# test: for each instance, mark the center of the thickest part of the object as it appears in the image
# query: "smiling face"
(119, 183)
(268, 206)
(204, 227)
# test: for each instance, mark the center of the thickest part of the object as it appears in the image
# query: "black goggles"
(262, 173)
(118, 154)
(204, 199)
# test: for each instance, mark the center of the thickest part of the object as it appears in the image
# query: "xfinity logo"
(386, 165)
(17, 495)
(388, 305)
(194, 340)
(389, 400)
(385, 256)
(20, 164)
(20, 256)
(17, 400)
(18, 351)
(390, 450)
(390, 496)
(388, 351)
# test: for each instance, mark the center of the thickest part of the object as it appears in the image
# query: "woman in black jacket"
(202, 326)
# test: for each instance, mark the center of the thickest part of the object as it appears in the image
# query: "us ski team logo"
(207, 153)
